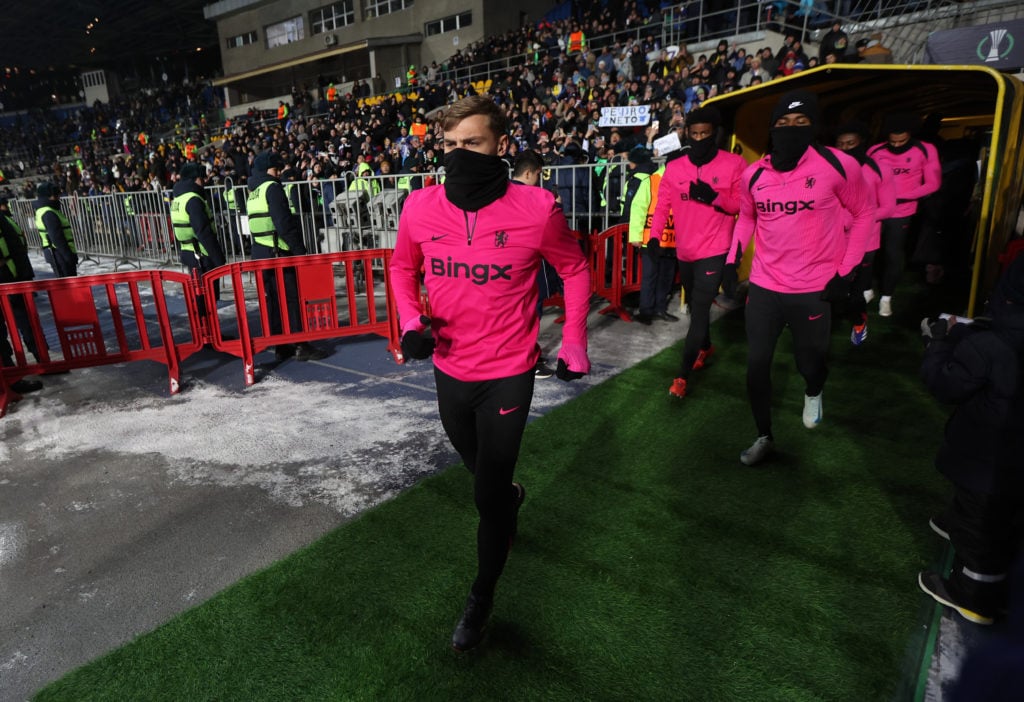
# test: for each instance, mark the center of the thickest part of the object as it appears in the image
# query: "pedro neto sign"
(631, 116)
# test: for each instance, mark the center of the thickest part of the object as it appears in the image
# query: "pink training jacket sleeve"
(561, 249)
(728, 200)
(931, 174)
(744, 229)
(886, 193)
(853, 197)
(406, 264)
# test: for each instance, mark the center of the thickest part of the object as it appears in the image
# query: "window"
(285, 32)
(242, 39)
(448, 24)
(332, 17)
(376, 8)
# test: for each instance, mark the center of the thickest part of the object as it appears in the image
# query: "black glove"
(562, 372)
(837, 289)
(702, 192)
(933, 329)
(416, 344)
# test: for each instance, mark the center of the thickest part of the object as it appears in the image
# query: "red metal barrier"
(615, 269)
(86, 316)
(321, 280)
(103, 319)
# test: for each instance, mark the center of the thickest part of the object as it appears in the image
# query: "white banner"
(630, 116)
(667, 144)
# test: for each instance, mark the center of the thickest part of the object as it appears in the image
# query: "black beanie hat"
(190, 171)
(704, 115)
(899, 122)
(853, 127)
(801, 101)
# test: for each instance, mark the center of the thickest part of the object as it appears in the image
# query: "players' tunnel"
(963, 101)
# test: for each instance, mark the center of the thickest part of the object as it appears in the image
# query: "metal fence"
(133, 229)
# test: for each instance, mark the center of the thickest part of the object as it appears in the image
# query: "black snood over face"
(473, 180)
(789, 144)
(701, 150)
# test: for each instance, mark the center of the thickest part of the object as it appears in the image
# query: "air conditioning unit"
(330, 39)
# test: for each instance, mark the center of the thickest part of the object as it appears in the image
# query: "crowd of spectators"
(553, 91)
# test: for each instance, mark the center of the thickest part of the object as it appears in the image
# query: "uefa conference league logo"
(995, 40)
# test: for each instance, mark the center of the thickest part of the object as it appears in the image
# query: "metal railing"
(133, 229)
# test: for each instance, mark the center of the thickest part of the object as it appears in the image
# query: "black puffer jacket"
(981, 371)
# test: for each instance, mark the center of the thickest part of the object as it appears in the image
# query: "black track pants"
(767, 314)
(706, 274)
(485, 421)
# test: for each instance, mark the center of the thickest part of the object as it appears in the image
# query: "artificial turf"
(650, 564)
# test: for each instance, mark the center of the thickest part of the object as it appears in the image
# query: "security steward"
(198, 245)
(13, 262)
(276, 232)
(55, 231)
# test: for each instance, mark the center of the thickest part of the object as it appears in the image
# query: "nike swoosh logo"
(502, 411)
(761, 187)
(815, 316)
(709, 272)
(435, 237)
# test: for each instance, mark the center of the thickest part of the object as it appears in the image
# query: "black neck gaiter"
(788, 145)
(860, 153)
(900, 149)
(701, 151)
(473, 180)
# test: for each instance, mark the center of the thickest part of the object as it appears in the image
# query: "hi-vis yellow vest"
(182, 224)
(64, 224)
(668, 237)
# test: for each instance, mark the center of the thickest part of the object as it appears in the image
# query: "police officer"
(276, 232)
(55, 231)
(199, 247)
(14, 267)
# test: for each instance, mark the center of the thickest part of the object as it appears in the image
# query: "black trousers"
(291, 293)
(894, 252)
(809, 319)
(858, 307)
(485, 421)
(983, 531)
(656, 280)
(706, 277)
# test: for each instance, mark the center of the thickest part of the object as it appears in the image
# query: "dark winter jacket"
(981, 371)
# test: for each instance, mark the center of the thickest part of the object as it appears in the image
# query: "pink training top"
(916, 173)
(701, 230)
(797, 220)
(881, 199)
(480, 270)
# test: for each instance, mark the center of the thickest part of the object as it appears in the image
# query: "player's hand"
(702, 192)
(837, 289)
(416, 344)
(573, 362)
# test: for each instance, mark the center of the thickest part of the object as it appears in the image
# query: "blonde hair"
(475, 105)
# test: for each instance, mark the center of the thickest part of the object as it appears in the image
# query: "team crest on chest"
(500, 239)
(809, 183)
